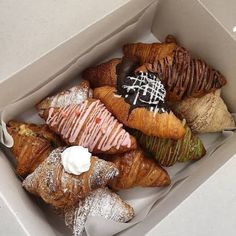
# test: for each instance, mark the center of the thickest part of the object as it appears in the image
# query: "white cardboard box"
(196, 27)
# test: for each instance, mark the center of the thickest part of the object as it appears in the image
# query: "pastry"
(74, 95)
(181, 75)
(137, 169)
(101, 202)
(161, 123)
(103, 74)
(64, 177)
(90, 125)
(167, 151)
(206, 114)
(32, 144)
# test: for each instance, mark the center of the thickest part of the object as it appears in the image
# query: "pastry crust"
(74, 95)
(32, 145)
(89, 125)
(206, 114)
(137, 169)
(163, 125)
(101, 202)
(167, 151)
(181, 75)
(60, 189)
(103, 74)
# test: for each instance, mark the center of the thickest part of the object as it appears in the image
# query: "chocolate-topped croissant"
(90, 125)
(100, 202)
(57, 187)
(181, 75)
(32, 145)
(151, 122)
(168, 151)
(137, 169)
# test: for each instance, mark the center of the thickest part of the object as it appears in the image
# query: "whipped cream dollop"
(76, 160)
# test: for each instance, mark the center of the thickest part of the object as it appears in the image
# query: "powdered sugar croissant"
(206, 114)
(101, 202)
(55, 186)
(90, 125)
(74, 95)
(32, 145)
(137, 169)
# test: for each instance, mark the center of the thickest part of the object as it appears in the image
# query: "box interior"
(146, 25)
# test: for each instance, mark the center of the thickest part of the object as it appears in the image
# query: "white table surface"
(28, 30)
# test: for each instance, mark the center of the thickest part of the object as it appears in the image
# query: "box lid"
(48, 35)
(29, 30)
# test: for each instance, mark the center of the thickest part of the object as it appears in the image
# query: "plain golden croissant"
(163, 125)
(74, 95)
(90, 125)
(55, 186)
(206, 114)
(32, 145)
(137, 169)
(103, 74)
(181, 75)
(101, 202)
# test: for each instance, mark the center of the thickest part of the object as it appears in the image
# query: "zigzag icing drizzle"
(93, 123)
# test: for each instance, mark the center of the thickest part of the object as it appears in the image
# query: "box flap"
(53, 63)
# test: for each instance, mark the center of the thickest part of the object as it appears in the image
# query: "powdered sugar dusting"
(100, 202)
(59, 188)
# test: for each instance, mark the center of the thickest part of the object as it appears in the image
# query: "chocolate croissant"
(74, 95)
(55, 186)
(167, 151)
(90, 125)
(101, 202)
(163, 125)
(32, 145)
(137, 169)
(206, 114)
(181, 75)
(103, 74)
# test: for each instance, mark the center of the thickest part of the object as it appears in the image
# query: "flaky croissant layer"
(182, 75)
(55, 186)
(137, 169)
(163, 125)
(90, 125)
(167, 151)
(101, 202)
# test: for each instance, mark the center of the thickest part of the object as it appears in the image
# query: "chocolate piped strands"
(100, 129)
(183, 76)
(143, 89)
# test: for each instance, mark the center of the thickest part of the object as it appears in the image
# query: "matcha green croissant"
(168, 151)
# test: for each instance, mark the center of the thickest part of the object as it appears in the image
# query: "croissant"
(137, 169)
(163, 125)
(32, 145)
(90, 125)
(206, 114)
(55, 186)
(74, 95)
(181, 75)
(167, 151)
(101, 202)
(103, 74)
